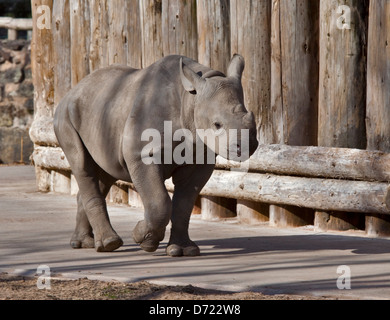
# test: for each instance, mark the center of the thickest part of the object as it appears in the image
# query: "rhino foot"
(108, 244)
(82, 241)
(87, 241)
(190, 250)
(147, 240)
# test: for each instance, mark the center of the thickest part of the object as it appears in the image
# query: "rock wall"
(16, 101)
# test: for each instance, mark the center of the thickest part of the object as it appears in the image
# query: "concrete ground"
(35, 229)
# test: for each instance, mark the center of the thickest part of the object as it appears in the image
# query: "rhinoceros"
(99, 124)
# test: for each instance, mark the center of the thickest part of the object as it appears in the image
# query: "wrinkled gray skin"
(99, 124)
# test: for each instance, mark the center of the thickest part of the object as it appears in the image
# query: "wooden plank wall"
(307, 81)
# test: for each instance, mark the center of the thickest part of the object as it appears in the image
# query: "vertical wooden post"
(214, 33)
(60, 182)
(104, 33)
(213, 23)
(43, 80)
(378, 96)
(250, 212)
(179, 28)
(61, 54)
(42, 64)
(250, 37)
(294, 93)
(151, 28)
(134, 41)
(291, 113)
(216, 208)
(342, 91)
(378, 77)
(297, 80)
(342, 96)
(96, 39)
(42, 178)
(12, 34)
(117, 43)
(80, 34)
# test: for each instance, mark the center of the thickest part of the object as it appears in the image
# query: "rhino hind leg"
(94, 183)
(83, 236)
(92, 221)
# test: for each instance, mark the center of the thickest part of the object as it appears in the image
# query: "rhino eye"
(217, 125)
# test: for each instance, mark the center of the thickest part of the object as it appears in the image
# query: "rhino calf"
(99, 124)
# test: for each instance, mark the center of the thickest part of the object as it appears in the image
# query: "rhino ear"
(236, 67)
(189, 79)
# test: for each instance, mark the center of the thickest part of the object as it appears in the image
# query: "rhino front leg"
(150, 185)
(188, 181)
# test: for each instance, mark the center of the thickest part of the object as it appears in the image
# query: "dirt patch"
(23, 288)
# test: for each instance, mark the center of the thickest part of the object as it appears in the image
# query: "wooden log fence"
(310, 162)
(333, 163)
(14, 24)
(326, 191)
(320, 94)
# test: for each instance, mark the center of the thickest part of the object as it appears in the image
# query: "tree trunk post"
(378, 96)
(213, 23)
(342, 90)
(294, 93)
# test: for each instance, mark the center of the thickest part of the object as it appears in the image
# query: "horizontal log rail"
(42, 132)
(316, 193)
(337, 163)
(13, 25)
(16, 23)
(50, 158)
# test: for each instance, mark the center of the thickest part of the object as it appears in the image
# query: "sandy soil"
(20, 288)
